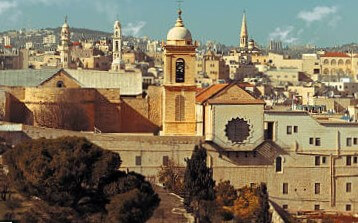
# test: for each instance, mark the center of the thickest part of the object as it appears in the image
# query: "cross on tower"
(179, 3)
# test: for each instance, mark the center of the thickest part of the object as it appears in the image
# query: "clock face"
(180, 71)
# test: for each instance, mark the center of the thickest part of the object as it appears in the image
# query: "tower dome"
(179, 32)
(117, 24)
(65, 25)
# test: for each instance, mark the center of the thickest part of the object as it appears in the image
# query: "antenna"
(66, 17)
(117, 16)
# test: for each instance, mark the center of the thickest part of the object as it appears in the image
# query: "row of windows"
(138, 160)
(323, 159)
(317, 207)
(317, 188)
(315, 141)
(334, 62)
(290, 128)
(349, 141)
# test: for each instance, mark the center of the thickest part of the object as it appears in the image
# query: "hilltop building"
(309, 163)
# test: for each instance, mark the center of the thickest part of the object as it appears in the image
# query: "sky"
(295, 22)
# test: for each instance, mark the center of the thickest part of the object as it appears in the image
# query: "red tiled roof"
(245, 84)
(335, 54)
(76, 43)
(209, 92)
(8, 46)
(212, 95)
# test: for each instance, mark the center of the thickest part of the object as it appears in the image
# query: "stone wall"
(86, 108)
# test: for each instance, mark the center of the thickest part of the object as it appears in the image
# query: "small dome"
(179, 32)
(117, 24)
(65, 25)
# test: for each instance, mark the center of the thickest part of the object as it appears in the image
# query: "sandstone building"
(308, 163)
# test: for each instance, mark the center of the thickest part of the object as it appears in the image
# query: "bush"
(73, 175)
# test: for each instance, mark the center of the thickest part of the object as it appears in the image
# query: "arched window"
(116, 48)
(60, 84)
(326, 61)
(279, 164)
(333, 71)
(340, 62)
(180, 71)
(179, 108)
(333, 62)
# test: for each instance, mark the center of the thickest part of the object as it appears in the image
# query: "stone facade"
(102, 108)
(179, 86)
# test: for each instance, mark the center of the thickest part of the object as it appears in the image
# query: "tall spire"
(179, 22)
(244, 36)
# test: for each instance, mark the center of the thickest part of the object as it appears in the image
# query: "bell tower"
(64, 48)
(117, 63)
(179, 86)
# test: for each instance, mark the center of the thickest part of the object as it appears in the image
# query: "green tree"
(74, 174)
(264, 214)
(198, 183)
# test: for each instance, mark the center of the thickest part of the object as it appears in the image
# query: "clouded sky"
(320, 22)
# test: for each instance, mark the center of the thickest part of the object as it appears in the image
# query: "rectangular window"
(289, 130)
(349, 141)
(355, 141)
(311, 141)
(284, 206)
(317, 160)
(138, 160)
(355, 159)
(349, 160)
(348, 187)
(348, 207)
(295, 129)
(317, 188)
(323, 159)
(285, 188)
(316, 207)
(165, 160)
(318, 142)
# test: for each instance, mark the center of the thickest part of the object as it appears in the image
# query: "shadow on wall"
(133, 121)
(263, 155)
(19, 113)
(84, 110)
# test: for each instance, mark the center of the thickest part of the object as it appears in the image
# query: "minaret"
(117, 63)
(65, 45)
(244, 36)
(179, 86)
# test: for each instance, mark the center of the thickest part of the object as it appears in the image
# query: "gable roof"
(209, 92)
(335, 54)
(219, 94)
(129, 82)
(58, 73)
(25, 78)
